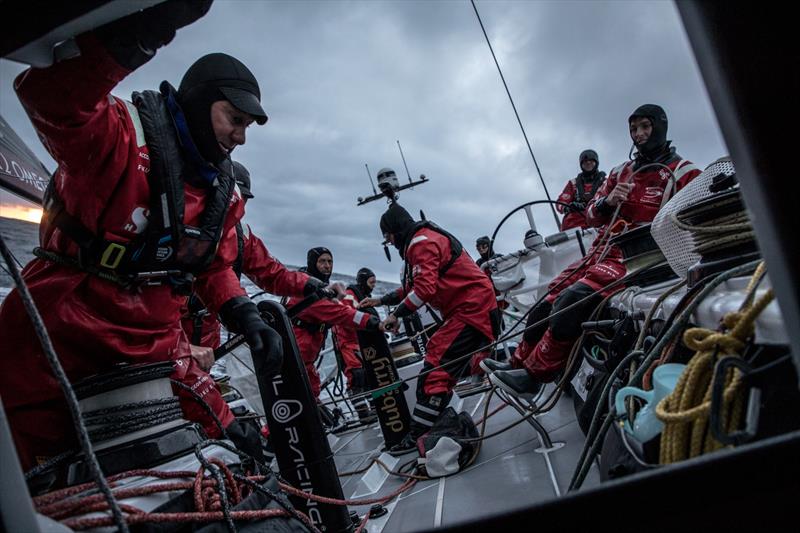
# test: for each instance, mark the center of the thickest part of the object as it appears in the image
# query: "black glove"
(358, 380)
(241, 315)
(313, 285)
(576, 207)
(246, 436)
(133, 40)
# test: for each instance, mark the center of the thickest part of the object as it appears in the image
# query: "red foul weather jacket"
(94, 324)
(347, 339)
(653, 186)
(310, 325)
(464, 292)
(265, 271)
(573, 219)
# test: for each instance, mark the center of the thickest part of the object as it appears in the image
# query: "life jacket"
(360, 295)
(455, 250)
(168, 250)
(580, 195)
(238, 264)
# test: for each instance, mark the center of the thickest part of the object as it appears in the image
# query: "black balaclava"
(361, 281)
(487, 241)
(592, 155)
(397, 221)
(212, 78)
(658, 139)
(311, 262)
(242, 176)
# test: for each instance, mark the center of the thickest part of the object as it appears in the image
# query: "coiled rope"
(686, 411)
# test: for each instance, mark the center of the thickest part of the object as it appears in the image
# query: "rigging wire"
(524, 134)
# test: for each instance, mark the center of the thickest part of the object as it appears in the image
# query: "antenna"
(370, 179)
(404, 161)
(519, 120)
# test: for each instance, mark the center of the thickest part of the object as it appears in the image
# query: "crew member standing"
(141, 211)
(580, 190)
(438, 271)
(253, 260)
(347, 341)
(312, 324)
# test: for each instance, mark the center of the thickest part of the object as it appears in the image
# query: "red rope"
(207, 500)
(160, 518)
(363, 523)
(496, 410)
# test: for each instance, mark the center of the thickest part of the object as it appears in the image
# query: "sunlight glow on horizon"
(21, 212)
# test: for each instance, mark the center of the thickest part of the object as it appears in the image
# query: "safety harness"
(455, 250)
(168, 250)
(597, 181)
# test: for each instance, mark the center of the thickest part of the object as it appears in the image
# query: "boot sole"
(509, 390)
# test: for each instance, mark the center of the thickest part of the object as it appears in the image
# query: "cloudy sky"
(343, 81)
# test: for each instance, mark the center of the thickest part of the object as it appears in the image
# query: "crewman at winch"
(580, 190)
(347, 341)
(253, 260)
(312, 324)
(438, 271)
(140, 212)
(631, 196)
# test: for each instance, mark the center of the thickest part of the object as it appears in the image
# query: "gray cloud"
(342, 81)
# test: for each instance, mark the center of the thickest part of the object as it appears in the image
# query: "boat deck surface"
(512, 470)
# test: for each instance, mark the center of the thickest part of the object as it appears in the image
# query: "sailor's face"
(371, 282)
(483, 248)
(229, 125)
(640, 128)
(588, 165)
(325, 264)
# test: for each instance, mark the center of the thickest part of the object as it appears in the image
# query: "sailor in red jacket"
(311, 326)
(253, 260)
(632, 195)
(346, 341)
(440, 272)
(579, 190)
(105, 232)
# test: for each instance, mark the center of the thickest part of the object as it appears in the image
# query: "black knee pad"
(567, 324)
(539, 313)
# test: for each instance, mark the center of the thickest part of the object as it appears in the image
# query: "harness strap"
(309, 326)
(92, 249)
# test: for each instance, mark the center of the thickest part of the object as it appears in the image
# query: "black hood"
(212, 78)
(398, 222)
(361, 281)
(657, 143)
(592, 155)
(311, 262)
(242, 176)
(487, 241)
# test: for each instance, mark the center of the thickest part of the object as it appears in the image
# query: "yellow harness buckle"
(112, 256)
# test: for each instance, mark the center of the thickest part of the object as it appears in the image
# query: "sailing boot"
(426, 413)
(517, 383)
(492, 365)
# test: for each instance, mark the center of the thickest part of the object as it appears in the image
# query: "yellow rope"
(685, 412)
